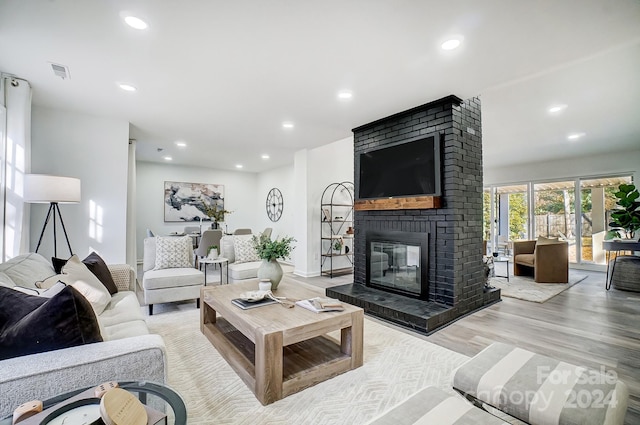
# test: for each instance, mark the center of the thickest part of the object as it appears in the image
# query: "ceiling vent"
(60, 70)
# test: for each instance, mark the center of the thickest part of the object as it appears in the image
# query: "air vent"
(60, 70)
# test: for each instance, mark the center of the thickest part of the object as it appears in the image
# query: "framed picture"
(191, 201)
(325, 214)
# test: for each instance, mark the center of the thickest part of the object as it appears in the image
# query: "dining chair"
(209, 238)
(150, 233)
(191, 229)
(242, 232)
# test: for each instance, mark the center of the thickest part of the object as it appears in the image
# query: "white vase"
(271, 269)
(264, 285)
(213, 254)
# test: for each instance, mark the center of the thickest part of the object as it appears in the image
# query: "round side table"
(220, 260)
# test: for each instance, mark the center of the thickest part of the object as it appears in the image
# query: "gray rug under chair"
(525, 288)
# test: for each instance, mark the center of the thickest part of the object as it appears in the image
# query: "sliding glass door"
(554, 212)
(577, 211)
(505, 217)
(597, 200)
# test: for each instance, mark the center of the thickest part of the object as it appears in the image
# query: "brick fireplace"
(420, 265)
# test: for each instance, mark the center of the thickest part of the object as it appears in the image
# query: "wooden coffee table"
(278, 351)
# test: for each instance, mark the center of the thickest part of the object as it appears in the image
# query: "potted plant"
(216, 215)
(488, 270)
(625, 219)
(337, 246)
(270, 251)
(212, 253)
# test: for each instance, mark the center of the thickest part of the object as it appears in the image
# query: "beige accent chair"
(548, 259)
(171, 284)
(268, 232)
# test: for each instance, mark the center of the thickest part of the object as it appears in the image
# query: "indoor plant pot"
(626, 218)
(269, 251)
(272, 270)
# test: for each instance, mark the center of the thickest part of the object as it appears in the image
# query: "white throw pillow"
(243, 249)
(173, 252)
(76, 274)
(45, 293)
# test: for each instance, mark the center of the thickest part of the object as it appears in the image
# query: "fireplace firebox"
(398, 262)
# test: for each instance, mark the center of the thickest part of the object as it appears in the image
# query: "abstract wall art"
(192, 201)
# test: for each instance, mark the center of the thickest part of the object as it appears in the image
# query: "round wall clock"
(275, 204)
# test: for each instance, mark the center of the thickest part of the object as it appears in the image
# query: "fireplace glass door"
(395, 266)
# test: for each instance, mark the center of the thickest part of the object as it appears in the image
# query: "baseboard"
(305, 274)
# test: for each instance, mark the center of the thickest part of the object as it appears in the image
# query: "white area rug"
(396, 365)
(524, 288)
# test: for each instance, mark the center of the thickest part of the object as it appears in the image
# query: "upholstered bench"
(541, 390)
(433, 406)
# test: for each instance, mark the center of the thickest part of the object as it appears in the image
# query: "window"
(577, 211)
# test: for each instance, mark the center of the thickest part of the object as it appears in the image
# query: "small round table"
(220, 260)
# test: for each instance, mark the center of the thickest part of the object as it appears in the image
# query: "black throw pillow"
(58, 264)
(31, 324)
(99, 268)
(96, 265)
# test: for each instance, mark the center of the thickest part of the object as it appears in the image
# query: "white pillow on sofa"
(76, 274)
(243, 249)
(45, 293)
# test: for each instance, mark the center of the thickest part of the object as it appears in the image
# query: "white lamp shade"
(42, 188)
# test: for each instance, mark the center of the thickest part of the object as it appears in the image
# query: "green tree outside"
(517, 216)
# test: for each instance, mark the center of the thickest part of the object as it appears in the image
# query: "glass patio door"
(554, 213)
(506, 217)
(597, 200)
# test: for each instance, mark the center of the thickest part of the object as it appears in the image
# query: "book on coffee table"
(245, 305)
(319, 304)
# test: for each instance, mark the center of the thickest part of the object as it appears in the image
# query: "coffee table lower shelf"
(304, 364)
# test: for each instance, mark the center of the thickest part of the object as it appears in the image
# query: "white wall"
(611, 163)
(95, 150)
(241, 194)
(283, 179)
(331, 163)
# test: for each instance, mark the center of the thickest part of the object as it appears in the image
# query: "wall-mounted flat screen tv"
(409, 168)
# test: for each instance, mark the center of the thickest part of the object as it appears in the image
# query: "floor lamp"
(52, 190)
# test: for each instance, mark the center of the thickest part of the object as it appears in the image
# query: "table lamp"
(54, 190)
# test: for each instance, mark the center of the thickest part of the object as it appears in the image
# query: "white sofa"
(237, 271)
(128, 352)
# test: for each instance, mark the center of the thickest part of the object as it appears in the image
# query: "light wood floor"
(584, 325)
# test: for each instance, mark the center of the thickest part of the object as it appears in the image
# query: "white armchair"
(169, 274)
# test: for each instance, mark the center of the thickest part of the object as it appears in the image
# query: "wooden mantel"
(409, 203)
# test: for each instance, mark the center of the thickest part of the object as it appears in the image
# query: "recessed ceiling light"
(127, 87)
(287, 125)
(136, 23)
(265, 156)
(181, 144)
(167, 158)
(451, 44)
(345, 95)
(575, 136)
(557, 108)
(239, 165)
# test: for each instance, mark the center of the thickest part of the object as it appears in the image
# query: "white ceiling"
(224, 75)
